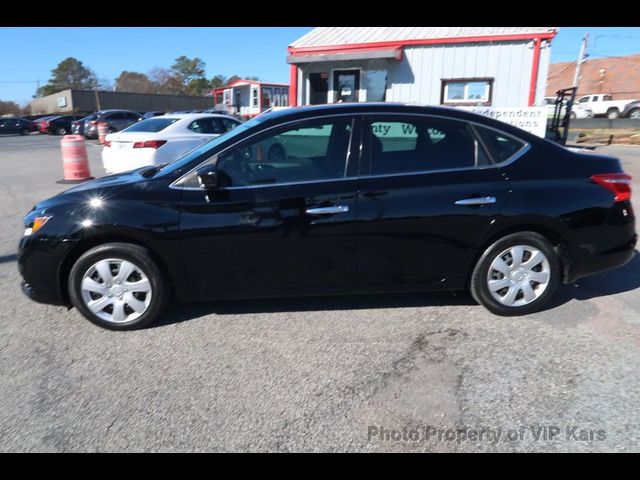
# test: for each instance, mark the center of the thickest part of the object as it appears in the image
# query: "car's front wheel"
(516, 275)
(118, 286)
(61, 131)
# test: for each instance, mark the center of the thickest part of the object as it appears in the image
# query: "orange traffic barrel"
(74, 159)
(103, 130)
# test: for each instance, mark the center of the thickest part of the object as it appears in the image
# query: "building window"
(375, 85)
(266, 98)
(254, 97)
(473, 91)
(276, 97)
(226, 97)
(284, 100)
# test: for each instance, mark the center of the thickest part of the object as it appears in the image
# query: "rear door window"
(419, 144)
(209, 126)
(229, 124)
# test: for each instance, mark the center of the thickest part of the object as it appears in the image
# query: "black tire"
(572, 116)
(613, 113)
(635, 113)
(479, 279)
(61, 131)
(25, 131)
(133, 253)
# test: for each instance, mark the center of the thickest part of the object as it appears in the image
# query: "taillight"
(617, 183)
(107, 143)
(149, 144)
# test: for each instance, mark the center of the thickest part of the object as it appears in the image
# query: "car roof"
(305, 112)
(115, 110)
(194, 116)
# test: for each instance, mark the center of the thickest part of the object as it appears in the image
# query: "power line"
(571, 65)
(18, 81)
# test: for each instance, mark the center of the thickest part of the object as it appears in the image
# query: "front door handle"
(476, 201)
(328, 210)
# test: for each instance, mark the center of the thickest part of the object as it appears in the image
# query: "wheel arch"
(553, 235)
(88, 243)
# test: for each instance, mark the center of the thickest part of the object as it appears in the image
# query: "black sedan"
(61, 125)
(16, 126)
(364, 198)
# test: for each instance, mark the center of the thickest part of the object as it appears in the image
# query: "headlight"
(38, 223)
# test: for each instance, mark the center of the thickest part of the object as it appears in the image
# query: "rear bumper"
(607, 260)
(117, 161)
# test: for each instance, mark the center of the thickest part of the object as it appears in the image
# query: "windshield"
(151, 125)
(194, 154)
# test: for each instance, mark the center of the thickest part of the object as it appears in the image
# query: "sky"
(244, 51)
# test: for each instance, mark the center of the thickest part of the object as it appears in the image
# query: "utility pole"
(581, 59)
(95, 91)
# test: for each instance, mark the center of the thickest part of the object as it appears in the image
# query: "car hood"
(119, 179)
(106, 186)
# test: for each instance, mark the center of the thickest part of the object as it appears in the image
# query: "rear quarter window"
(500, 146)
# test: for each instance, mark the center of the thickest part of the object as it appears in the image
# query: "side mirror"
(208, 177)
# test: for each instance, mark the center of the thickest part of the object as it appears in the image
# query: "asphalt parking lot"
(418, 372)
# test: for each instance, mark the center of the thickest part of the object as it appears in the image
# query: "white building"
(249, 98)
(456, 66)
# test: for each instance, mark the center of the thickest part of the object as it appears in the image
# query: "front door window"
(309, 152)
(346, 86)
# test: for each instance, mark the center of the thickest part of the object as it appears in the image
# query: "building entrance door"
(346, 86)
(318, 88)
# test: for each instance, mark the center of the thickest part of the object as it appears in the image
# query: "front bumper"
(40, 263)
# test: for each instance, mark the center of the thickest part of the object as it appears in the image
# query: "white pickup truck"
(603, 104)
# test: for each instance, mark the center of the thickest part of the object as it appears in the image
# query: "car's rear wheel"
(635, 113)
(516, 275)
(25, 131)
(61, 131)
(118, 286)
(613, 113)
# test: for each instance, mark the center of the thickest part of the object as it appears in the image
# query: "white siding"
(543, 73)
(417, 78)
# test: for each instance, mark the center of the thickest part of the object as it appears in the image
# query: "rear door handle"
(328, 210)
(476, 201)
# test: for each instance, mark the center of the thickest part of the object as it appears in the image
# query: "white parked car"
(162, 139)
(603, 104)
(577, 111)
